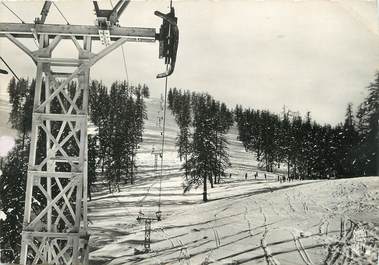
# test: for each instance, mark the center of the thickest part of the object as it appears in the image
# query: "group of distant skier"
(281, 178)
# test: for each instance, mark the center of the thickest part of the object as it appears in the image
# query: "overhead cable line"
(125, 64)
(14, 13)
(60, 12)
(163, 143)
(123, 57)
(163, 135)
(10, 69)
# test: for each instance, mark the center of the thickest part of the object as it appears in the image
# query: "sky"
(307, 55)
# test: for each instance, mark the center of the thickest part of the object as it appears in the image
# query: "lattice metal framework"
(55, 218)
(147, 240)
(58, 232)
(55, 232)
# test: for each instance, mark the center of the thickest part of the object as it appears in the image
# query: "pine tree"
(368, 116)
(208, 153)
(119, 115)
(99, 113)
(348, 141)
(92, 156)
(284, 149)
(170, 99)
(198, 164)
(137, 129)
(223, 121)
(307, 148)
(145, 91)
(12, 198)
(183, 119)
(21, 100)
(13, 179)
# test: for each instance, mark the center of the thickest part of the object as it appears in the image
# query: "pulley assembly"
(168, 38)
(168, 35)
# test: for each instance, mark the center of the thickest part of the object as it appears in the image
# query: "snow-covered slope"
(245, 222)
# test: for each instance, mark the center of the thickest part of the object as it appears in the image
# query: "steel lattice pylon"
(57, 234)
(58, 181)
(55, 217)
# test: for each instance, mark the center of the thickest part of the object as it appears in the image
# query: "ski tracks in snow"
(216, 238)
(300, 248)
(267, 252)
(273, 208)
(340, 249)
(184, 255)
(289, 202)
(216, 235)
(215, 231)
(248, 221)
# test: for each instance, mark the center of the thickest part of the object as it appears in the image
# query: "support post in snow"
(147, 240)
(156, 153)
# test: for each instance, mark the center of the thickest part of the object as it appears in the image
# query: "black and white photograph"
(189, 132)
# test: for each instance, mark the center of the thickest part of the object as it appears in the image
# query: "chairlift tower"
(157, 154)
(57, 232)
(147, 239)
(148, 219)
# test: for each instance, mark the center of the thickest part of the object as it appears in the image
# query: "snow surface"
(245, 222)
(3, 216)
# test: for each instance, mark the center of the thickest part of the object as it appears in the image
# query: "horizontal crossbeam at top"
(28, 30)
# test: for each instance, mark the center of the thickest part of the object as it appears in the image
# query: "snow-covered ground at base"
(253, 221)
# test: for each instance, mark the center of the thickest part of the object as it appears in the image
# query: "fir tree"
(12, 198)
(92, 156)
(349, 140)
(13, 179)
(208, 157)
(119, 115)
(368, 116)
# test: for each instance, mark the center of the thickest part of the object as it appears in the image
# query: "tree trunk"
(205, 197)
(127, 167)
(23, 140)
(89, 193)
(259, 153)
(132, 169)
(211, 181)
(102, 164)
(186, 169)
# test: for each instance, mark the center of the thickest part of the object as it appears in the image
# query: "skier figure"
(230, 175)
(245, 175)
(256, 175)
(265, 176)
